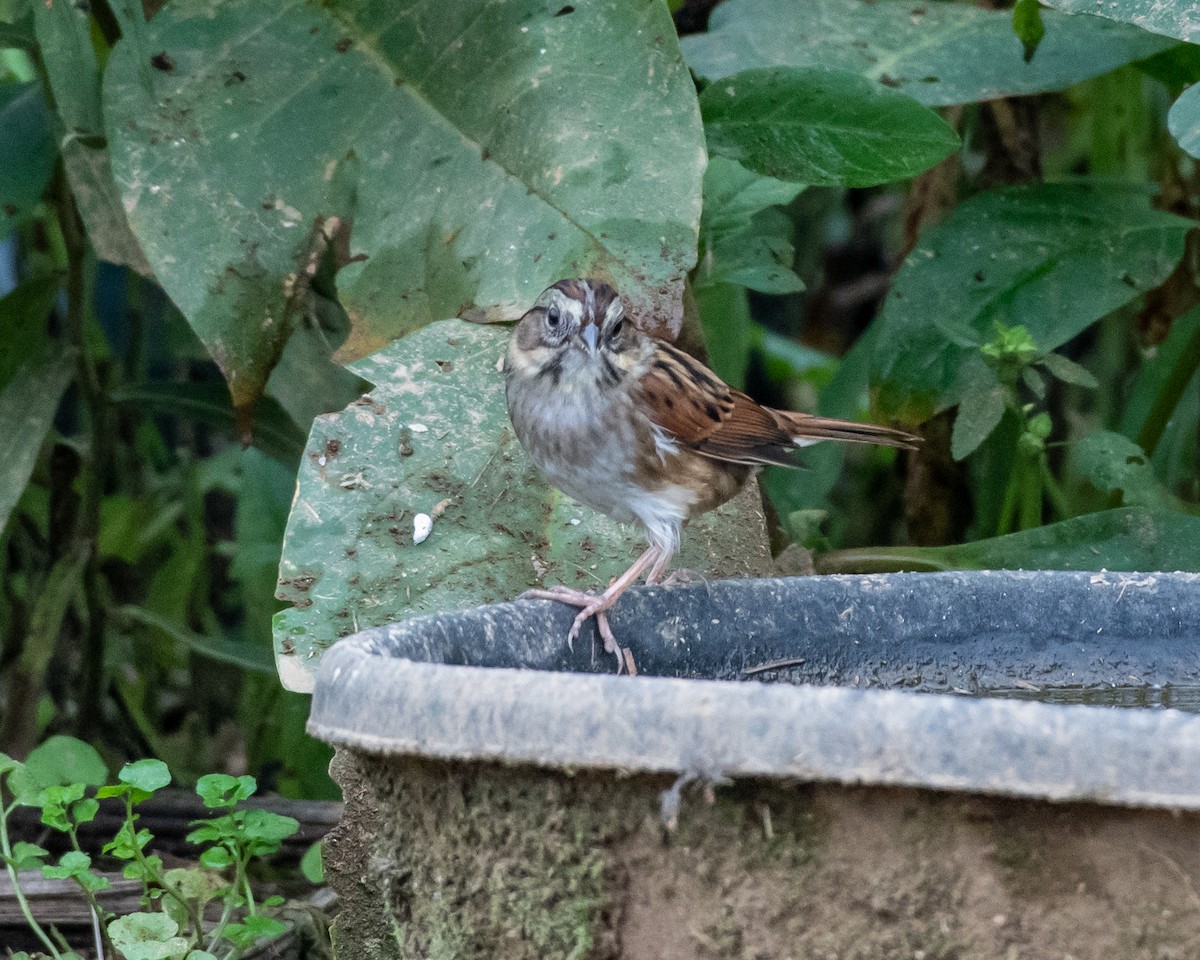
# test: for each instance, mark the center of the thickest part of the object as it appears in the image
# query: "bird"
(635, 428)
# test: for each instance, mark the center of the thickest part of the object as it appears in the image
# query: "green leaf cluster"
(56, 777)
(341, 195)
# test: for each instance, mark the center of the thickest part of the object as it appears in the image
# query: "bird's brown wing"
(707, 415)
(687, 399)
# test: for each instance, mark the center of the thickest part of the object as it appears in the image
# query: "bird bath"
(821, 766)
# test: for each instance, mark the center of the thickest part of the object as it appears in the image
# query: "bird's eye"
(553, 317)
(617, 328)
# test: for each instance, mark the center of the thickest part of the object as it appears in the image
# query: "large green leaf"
(1128, 538)
(1178, 18)
(482, 151)
(27, 150)
(433, 438)
(822, 127)
(1051, 258)
(939, 53)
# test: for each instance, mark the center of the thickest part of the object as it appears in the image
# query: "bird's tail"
(806, 429)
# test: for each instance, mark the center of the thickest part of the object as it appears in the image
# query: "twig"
(774, 665)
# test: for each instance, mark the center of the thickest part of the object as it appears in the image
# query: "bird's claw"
(592, 605)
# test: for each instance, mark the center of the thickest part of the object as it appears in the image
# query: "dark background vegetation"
(1001, 263)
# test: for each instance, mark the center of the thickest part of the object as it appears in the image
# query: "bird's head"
(575, 331)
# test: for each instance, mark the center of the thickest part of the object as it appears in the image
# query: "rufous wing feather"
(689, 401)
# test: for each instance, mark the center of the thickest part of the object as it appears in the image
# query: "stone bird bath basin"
(961, 765)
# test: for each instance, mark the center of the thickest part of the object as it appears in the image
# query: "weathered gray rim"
(372, 697)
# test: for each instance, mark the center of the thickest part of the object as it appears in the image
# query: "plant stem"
(1031, 494)
(1054, 491)
(94, 467)
(246, 886)
(99, 914)
(149, 872)
(1008, 509)
(26, 912)
(215, 937)
(1168, 397)
(97, 933)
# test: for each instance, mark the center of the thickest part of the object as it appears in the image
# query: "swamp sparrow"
(639, 430)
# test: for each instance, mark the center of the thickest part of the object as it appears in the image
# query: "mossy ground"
(478, 861)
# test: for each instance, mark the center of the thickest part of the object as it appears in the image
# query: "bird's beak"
(589, 335)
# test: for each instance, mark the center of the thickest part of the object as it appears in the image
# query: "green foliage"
(1028, 26)
(27, 149)
(229, 843)
(1051, 259)
(940, 53)
(822, 128)
(744, 240)
(1184, 120)
(1173, 20)
(312, 865)
(295, 196)
(1125, 539)
(411, 134)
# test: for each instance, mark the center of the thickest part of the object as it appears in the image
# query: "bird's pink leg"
(596, 605)
(660, 566)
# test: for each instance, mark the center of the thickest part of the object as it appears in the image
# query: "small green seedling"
(56, 779)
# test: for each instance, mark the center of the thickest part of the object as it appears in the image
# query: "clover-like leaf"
(312, 864)
(253, 929)
(28, 856)
(57, 802)
(59, 761)
(77, 866)
(147, 936)
(146, 776)
(215, 858)
(147, 869)
(264, 831)
(222, 790)
(127, 842)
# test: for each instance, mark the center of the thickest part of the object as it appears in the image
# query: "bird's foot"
(681, 577)
(577, 598)
(593, 605)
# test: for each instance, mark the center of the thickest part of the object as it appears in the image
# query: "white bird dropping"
(422, 526)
